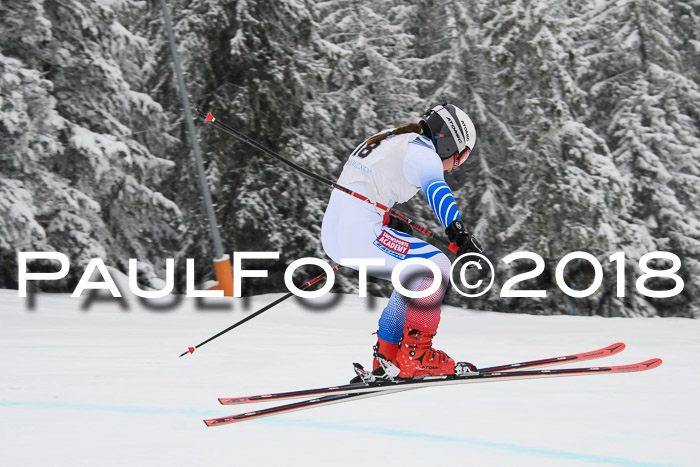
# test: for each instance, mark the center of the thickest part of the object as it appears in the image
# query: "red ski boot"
(417, 358)
(385, 350)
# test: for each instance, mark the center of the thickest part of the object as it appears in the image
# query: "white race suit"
(389, 172)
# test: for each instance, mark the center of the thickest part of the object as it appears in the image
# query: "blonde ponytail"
(400, 130)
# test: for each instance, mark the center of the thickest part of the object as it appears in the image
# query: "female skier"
(388, 168)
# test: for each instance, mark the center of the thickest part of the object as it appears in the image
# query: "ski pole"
(208, 117)
(260, 311)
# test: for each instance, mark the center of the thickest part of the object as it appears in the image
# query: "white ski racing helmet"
(451, 131)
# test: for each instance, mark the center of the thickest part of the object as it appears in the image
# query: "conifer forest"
(587, 113)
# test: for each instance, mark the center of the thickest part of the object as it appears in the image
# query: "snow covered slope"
(104, 386)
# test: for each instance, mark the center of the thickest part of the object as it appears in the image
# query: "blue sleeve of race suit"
(441, 200)
(423, 167)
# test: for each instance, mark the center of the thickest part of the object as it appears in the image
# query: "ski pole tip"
(189, 350)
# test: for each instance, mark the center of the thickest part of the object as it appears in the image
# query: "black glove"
(398, 224)
(466, 242)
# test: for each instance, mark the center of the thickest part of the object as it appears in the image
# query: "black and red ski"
(370, 390)
(343, 393)
(359, 387)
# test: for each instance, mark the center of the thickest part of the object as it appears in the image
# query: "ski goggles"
(461, 158)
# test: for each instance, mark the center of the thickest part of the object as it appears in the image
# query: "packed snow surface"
(100, 383)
